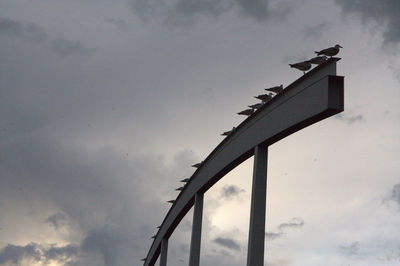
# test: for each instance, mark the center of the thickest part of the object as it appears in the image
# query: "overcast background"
(105, 104)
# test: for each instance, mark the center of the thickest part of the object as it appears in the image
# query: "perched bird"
(197, 165)
(246, 112)
(154, 236)
(318, 60)
(276, 89)
(331, 51)
(264, 97)
(171, 201)
(303, 66)
(179, 189)
(144, 259)
(255, 106)
(226, 133)
(159, 226)
(185, 180)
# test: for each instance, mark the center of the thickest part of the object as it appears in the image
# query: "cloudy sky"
(105, 104)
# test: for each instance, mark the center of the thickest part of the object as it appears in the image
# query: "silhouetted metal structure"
(313, 97)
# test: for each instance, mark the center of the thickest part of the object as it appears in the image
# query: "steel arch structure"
(313, 97)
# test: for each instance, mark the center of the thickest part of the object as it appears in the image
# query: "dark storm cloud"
(57, 220)
(350, 119)
(227, 243)
(36, 252)
(383, 12)
(273, 235)
(230, 191)
(186, 13)
(33, 32)
(316, 31)
(296, 222)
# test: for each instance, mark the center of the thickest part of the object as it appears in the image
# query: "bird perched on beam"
(154, 236)
(246, 112)
(276, 89)
(197, 165)
(331, 51)
(171, 201)
(179, 189)
(144, 259)
(318, 60)
(302, 66)
(185, 180)
(264, 97)
(226, 133)
(255, 106)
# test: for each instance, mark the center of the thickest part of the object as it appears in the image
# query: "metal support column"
(164, 252)
(195, 242)
(255, 251)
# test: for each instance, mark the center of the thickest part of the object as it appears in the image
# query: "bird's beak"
(340, 46)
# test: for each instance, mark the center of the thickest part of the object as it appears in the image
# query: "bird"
(179, 189)
(318, 60)
(154, 236)
(185, 180)
(159, 226)
(197, 165)
(303, 66)
(144, 259)
(226, 133)
(276, 89)
(255, 106)
(264, 97)
(246, 112)
(331, 51)
(171, 201)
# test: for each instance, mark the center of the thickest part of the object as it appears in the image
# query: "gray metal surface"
(311, 98)
(195, 242)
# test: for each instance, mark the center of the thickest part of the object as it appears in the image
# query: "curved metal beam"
(313, 97)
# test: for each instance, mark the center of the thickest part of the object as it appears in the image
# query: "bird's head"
(338, 46)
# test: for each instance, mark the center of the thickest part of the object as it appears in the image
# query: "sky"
(104, 105)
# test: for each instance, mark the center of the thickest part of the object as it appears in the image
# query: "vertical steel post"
(195, 242)
(164, 252)
(255, 251)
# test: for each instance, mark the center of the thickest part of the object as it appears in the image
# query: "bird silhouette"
(331, 51)
(302, 66)
(246, 112)
(276, 89)
(255, 106)
(318, 60)
(264, 97)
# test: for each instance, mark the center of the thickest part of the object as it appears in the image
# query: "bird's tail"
(291, 65)
(317, 52)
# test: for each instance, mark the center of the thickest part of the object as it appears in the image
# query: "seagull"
(246, 112)
(331, 51)
(303, 66)
(255, 106)
(171, 201)
(276, 89)
(226, 133)
(159, 226)
(197, 165)
(179, 189)
(154, 236)
(318, 60)
(185, 180)
(144, 259)
(264, 97)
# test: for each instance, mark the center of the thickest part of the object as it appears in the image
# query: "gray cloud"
(230, 191)
(57, 220)
(273, 235)
(33, 32)
(384, 12)
(351, 250)
(296, 222)
(227, 243)
(119, 23)
(350, 119)
(38, 253)
(316, 31)
(186, 13)
(396, 194)
(28, 31)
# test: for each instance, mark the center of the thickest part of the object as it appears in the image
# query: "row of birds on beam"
(321, 57)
